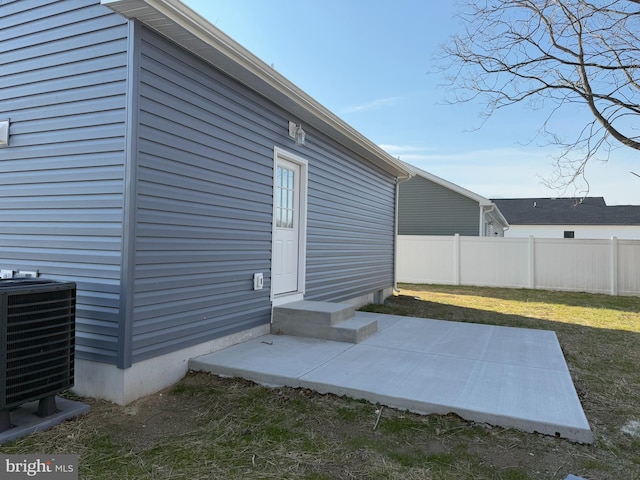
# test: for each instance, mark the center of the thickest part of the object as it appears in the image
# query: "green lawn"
(208, 427)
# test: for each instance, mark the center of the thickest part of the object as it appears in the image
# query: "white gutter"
(483, 213)
(395, 238)
(483, 216)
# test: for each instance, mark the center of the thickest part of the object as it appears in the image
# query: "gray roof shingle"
(566, 211)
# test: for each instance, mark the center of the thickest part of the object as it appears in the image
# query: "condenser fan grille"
(38, 331)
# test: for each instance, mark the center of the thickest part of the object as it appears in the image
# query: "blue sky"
(372, 63)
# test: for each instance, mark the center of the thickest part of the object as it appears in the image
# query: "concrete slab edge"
(265, 379)
(575, 434)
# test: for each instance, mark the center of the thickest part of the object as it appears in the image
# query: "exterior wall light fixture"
(296, 132)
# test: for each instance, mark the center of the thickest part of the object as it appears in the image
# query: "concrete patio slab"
(272, 360)
(504, 376)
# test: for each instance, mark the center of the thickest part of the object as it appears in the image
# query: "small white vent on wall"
(4, 133)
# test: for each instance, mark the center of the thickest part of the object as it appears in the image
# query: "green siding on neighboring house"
(426, 208)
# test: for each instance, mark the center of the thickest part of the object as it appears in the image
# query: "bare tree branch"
(556, 52)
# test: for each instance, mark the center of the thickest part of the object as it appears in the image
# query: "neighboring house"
(430, 205)
(152, 160)
(589, 217)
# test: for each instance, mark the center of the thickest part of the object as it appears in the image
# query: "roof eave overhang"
(501, 217)
(179, 23)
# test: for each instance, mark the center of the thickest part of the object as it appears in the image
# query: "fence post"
(532, 262)
(614, 266)
(456, 259)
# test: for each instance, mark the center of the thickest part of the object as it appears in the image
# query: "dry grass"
(208, 428)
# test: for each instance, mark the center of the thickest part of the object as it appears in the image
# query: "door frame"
(279, 153)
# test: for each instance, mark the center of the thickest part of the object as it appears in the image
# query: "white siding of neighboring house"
(493, 225)
(628, 232)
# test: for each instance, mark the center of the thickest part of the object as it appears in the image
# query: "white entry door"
(288, 227)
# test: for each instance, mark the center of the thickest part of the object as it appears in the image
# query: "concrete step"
(317, 313)
(329, 321)
(353, 330)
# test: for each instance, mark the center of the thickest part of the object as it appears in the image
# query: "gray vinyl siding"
(427, 208)
(62, 84)
(204, 206)
(350, 226)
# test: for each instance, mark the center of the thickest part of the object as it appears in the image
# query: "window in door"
(285, 197)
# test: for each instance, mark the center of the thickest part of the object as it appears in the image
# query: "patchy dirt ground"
(207, 427)
(210, 427)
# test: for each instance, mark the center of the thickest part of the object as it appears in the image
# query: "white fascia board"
(181, 24)
(502, 217)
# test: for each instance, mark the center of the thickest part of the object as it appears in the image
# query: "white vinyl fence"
(597, 266)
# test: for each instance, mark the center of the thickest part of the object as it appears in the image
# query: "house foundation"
(123, 386)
